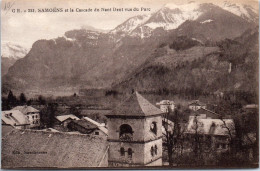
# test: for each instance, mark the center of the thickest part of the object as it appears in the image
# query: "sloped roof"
(86, 124)
(65, 117)
(6, 129)
(201, 110)
(25, 109)
(210, 126)
(136, 105)
(15, 117)
(197, 103)
(92, 121)
(52, 150)
(251, 106)
(99, 125)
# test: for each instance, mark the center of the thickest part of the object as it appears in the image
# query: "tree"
(48, 114)
(23, 99)
(41, 100)
(75, 111)
(173, 134)
(12, 101)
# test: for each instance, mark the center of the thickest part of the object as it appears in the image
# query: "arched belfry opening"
(126, 132)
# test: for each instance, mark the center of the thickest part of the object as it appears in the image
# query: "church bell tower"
(135, 134)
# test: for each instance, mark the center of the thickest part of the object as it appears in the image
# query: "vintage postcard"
(129, 84)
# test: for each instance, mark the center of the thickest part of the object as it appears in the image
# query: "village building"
(32, 114)
(15, 118)
(85, 127)
(135, 134)
(101, 126)
(64, 120)
(196, 105)
(215, 132)
(166, 105)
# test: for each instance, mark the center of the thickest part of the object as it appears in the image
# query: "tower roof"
(135, 105)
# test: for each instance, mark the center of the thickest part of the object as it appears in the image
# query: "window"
(33, 116)
(130, 152)
(28, 117)
(153, 127)
(96, 133)
(122, 151)
(155, 149)
(126, 133)
(152, 151)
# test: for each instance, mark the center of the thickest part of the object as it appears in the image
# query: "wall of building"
(149, 158)
(165, 107)
(115, 155)
(34, 119)
(149, 135)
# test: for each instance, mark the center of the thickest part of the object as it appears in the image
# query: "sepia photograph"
(136, 84)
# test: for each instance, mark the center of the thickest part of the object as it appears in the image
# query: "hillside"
(230, 66)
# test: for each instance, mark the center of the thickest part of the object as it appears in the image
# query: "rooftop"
(135, 105)
(99, 125)
(65, 117)
(165, 102)
(201, 110)
(198, 103)
(47, 150)
(251, 106)
(210, 126)
(86, 124)
(14, 117)
(26, 109)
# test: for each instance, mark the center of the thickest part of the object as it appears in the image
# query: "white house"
(32, 114)
(217, 132)
(165, 105)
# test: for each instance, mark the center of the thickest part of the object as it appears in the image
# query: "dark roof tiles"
(136, 105)
(52, 150)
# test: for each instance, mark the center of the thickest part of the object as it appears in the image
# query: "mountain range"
(168, 38)
(10, 53)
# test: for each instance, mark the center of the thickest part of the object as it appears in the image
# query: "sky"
(25, 28)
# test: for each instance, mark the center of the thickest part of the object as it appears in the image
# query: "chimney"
(8, 115)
